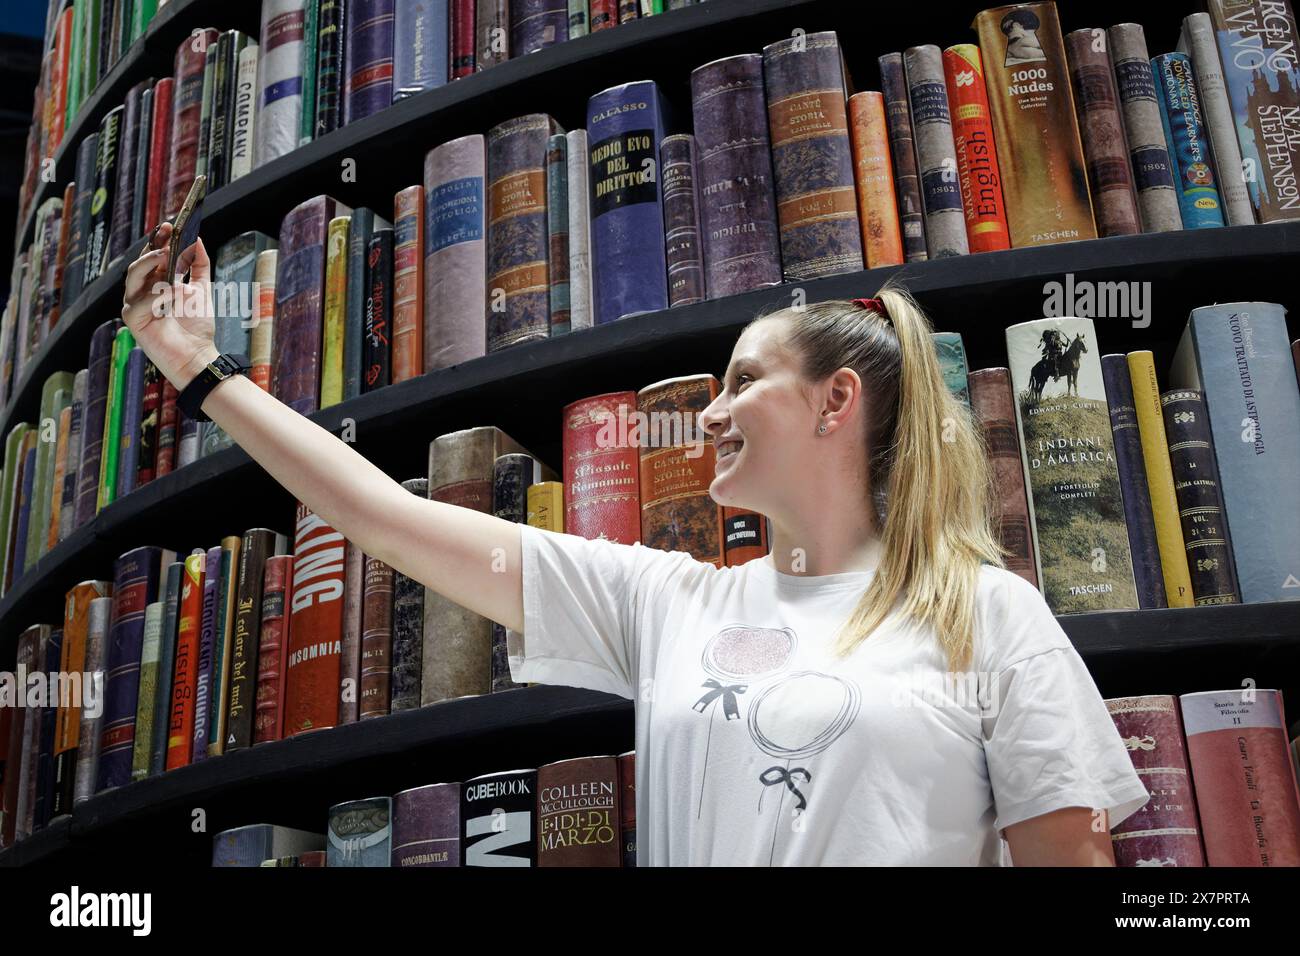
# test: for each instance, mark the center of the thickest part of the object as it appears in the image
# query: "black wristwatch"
(219, 369)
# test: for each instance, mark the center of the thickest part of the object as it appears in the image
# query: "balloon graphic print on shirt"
(735, 657)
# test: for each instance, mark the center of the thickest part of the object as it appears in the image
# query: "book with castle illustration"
(1076, 508)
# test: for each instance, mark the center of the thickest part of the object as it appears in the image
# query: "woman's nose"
(713, 417)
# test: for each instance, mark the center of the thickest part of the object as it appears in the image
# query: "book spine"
(902, 151)
(279, 108)
(72, 723)
(98, 618)
(512, 476)
(1110, 178)
(1045, 181)
(518, 307)
(140, 171)
(426, 826)
(1080, 543)
(491, 33)
(408, 284)
(628, 10)
(223, 642)
(378, 357)
(332, 34)
(335, 312)
(160, 136)
(149, 653)
(56, 480)
(150, 411)
(259, 338)
(76, 432)
(243, 122)
(187, 110)
(1147, 573)
(180, 735)
(360, 833)
(310, 65)
(363, 224)
(354, 599)
(245, 648)
(1213, 94)
(65, 230)
(162, 702)
(1180, 110)
(97, 382)
(537, 24)
(106, 166)
(485, 798)
(579, 180)
(299, 305)
(211, 59)
(376, 640)
(1160, 479)
(272, 646)
(596, 814)
(408, 627)
(1200, 498)
(557, 231)
(462, 29)
(74, 268)
(454, 274)
(936, 155)
(744, 535)
(219, 122)
(578, 17)
(204, 693)
(368, 60)
(604, 14)
(31, 657)
(420, 48)
(165, 459)
(123, 342)
(681, 221)
(978, 173)
(311, 683)
(187, 442)
(129, 437)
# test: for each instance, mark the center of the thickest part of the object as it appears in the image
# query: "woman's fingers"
(141, 273)
(195, 261)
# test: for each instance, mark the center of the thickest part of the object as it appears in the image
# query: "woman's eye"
(741, 379)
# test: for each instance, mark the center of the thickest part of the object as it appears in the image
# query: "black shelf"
(292, 782)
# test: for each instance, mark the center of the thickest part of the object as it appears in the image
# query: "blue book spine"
(1138, 516)
(203, 688)
(1239, 355)
(129, 443)
(537, 24)
(166, 665)
(1189, 141)
(368, 59)
(420, 47)
(629, 264)
(23, 507)
(360, 833)
(359, 231)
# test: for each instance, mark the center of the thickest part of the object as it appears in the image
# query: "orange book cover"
(315, 635)
(408, 284)
(185, 671)
(873, 176)
(977, 156)
(602, 470)
(59, 95)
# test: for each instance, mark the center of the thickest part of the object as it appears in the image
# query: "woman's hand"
(172, 322)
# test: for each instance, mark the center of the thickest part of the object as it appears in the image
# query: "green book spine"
(55, 393)
(141, 13)
(123, 342)
(91, 27)
(9, 491)
(72, 98)
(125, 13)
(952, 364)
(308, 116)
(579, 14)
(144, 711)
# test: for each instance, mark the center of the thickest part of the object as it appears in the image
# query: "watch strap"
(191, 398)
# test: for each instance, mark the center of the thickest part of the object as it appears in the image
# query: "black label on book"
(623, 171)
(742, 531)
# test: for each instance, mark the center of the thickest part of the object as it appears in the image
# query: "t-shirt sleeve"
(1049, 740)
(585, 603)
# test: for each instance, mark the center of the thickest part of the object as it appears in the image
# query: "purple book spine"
(518, 284)
(92, 431)
(426, 826)
(203, 689)
(681, 220)
(68, 497)
(902, 152)
(536, 24)
(1138, 516)
(299, 305)
(135, 586)
(129, 443)
(454, 263)
(629, 266)
(741, 241)
(128, 159)
(368, 59)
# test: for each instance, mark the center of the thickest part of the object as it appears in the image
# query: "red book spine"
(311, 681)
(604, 14)
(408, 285)
(185, 672)
(187, 109)
(268, 718)
(461, 16)
(168, 423)
(376, 639)
(602, 466)
(159, 151)
(62, 48)
(977, 157)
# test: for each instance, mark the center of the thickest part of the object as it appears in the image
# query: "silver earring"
(821, 429)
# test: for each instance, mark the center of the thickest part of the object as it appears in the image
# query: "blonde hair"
(931, 484)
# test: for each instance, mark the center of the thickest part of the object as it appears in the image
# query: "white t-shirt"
(756, 746)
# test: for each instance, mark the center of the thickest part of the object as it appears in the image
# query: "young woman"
(877, 690)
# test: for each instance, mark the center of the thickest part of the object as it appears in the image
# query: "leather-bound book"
(128, 438)
(604, 14)
(537, 24)
(256, 548)
(873, 177)
(557, 231)
(72, 453)
(579, 183)
(368, 59)
(578, 814)
(377, 353)
(491, 26)
(354, 600)
(902, 150)
(204, 691)
(602, 468)
(150, 650)
(272, 648)
(180, 735)
(259, 338)
(160, 138)
(1200, 498)
(1165, 831)
(454, 254)
(130, 162)
(68, 726)
(360, 833)
(300, 304)
(43, 796)
(978, 173)
(744, 535)
(627, 805)
(101, 353)
(677, 466)
(812, 159)
(546, 505)
(457, 642)
(462, 27)
(331, 41)
(407, 285)
(498, 819)
(165, 448)
(1096, 99)
(408, 627)
(187, 106)
(74, 266)
(97, 622)
(993, 407)
(162, 702)
(311, 685)
(741, 240)
(682, 248)
(137, 578)
(1138, 516)
(421, 48)
(426, 826)
(1246, 793)
(151, 395)
(936, 156)
(20, 783)
(628, 266)
(518, 285)
(1045, 182)
(376, 640)
(250, 845)
(512, 476)
(361, 226)
(17, 728)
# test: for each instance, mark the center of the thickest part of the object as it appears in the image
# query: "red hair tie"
(874, 305)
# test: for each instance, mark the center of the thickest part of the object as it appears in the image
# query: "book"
(335, 311)
(498, 819)
(557, 231)
(97, 387)
(185, 670)
(454, 276)
(89, 740)
(578, 813)
(360, 833)
(368, 59)
(162, 702)
(376, 645)
(311, 682)
(902, 151)
(99, 238)
(331, 39)
(537, 24)
(150, 650)
(377, 350)
(407, 285)
(271, 619)
(978, 173)
(513, 474)
(426, 826)
(681, 199)
(250, 845)
(205, 693)
(280, 93)
(1180, 111)
(936, 155)
(602, 468)
(74, 660)
(408, 628)
(243, 142)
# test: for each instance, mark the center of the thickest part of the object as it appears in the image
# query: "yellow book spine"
(1160, 480)
(336, 297)
(546, 505)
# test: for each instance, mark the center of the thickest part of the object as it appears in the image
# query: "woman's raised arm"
(467, 556)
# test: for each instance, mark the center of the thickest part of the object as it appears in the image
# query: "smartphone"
(185, 228)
